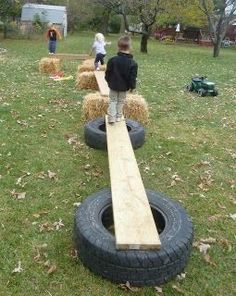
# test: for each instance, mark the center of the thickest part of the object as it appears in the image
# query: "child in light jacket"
(99, 49)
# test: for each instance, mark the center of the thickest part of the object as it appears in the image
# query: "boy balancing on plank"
(121, 75)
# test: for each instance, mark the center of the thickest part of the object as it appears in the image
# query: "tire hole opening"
(108, 222)
(102, 127)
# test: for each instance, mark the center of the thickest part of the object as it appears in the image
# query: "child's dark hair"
(124, 43)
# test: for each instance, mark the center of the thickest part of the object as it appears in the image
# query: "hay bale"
(49, 65)
(88, 65)
(86, 80)
(136, 108)
(95, 105)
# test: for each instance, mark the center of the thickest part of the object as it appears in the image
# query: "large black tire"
(96, 245)
(95, 133)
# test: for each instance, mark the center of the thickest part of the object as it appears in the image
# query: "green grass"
(38, 115)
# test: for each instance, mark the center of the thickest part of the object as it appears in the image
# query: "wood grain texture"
(134, 224)
(102, 84)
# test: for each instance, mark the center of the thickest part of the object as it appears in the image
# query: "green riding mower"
(202, 86)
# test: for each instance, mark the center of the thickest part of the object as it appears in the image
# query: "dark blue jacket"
(121, 72)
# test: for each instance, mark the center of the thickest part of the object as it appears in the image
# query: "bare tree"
(146, 12)
(220, 14)
(119, 7)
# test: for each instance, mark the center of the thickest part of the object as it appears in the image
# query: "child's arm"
(108, 70)
(46, 36)
(133, 76)
(58, 34)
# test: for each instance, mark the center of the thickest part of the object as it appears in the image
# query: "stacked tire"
(94, 229)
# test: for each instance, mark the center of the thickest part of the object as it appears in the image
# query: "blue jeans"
(52, 46)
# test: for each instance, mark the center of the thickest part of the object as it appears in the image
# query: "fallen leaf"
(159, 290)
(18, 269)
(215, 217)
(74, 254)
(208, 260)
(18, 195)
(226, 244)
(52, 175)
(58, 224)
(178, 289)
(222, 207)
(45, 227)
(203, 248)
(233, 216)
(127, 287)
(41, 175)
(52, 269)
(209, 240)
(181, 276)
(39, 214)
(77, 204)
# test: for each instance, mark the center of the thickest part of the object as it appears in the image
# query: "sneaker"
(111, 122)
(118, 119)
(97, 69)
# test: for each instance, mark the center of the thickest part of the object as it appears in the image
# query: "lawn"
(188, 136)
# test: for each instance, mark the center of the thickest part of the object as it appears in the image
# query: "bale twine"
(86, 80)
(95, 105)
(49, 65)
(88, 65)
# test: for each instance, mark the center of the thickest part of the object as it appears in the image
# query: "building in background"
(44, 13)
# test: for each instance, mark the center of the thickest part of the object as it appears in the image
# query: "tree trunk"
(144, 41)
(217, 45)
(122, 25)
(4, 30)
(105, 22)
(126, 23)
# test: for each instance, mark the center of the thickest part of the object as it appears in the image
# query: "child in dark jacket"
(121, 76)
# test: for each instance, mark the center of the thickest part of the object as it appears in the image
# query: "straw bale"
(49, 65)
(95, 105)
(86, 80)
(88, 65)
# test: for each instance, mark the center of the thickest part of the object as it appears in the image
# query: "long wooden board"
(70, 56)
(102, 84)
(134, 224)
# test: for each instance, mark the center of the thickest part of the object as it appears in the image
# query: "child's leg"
(120, 104)
(113, 97)
(96, 61)
(54, 43)
(102, 59)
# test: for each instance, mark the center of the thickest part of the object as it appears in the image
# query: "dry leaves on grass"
(58, 224)
(18, 195)
(208, 260)
(175, 179)
(205, 181)
(233, 216)
(127, 287)
(159, 291)
(52, 175)
(18, 269)
(178, 289)
(215, 217)
(181, 277)
(46, 227)
(74, 141)
(40, 213)
(20, 179)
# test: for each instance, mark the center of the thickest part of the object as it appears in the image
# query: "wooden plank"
(102, 84)
(134, 224)
(67, 56)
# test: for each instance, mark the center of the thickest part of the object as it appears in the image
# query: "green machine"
(202, 86)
